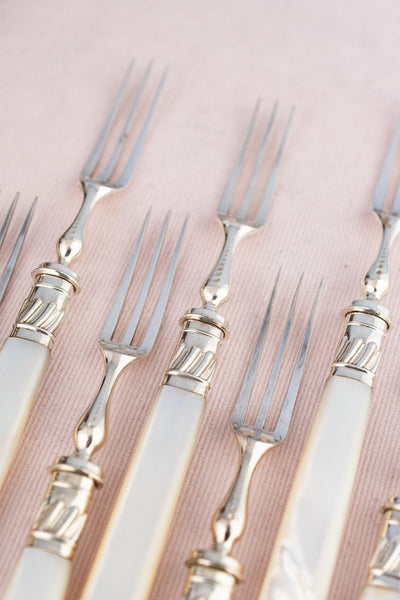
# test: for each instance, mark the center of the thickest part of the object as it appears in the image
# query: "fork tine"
(266, 401)
(132, 160)
(227, 196)
(283, 423)
(6, 276)
(7, 220)
(113, 315)
(242, 403)
(94, 156)
(109, 168)
(270, 189)
(383, 180)
(155, 322)
(250, 189)
(133, 323)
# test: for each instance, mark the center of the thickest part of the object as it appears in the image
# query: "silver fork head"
(126, 345)
(105, 178)
(383, 181)
(257, 432)
(226, 201)
(12, 261)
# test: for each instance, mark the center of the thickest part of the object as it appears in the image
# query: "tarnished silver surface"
(213, 574)
(63, 512)
(384, 570)
(45, 305)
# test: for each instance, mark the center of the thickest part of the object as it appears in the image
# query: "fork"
(44, 569)
(25, 354)
(308, 542)
(12, 260)
(214, 573)
(128, 557)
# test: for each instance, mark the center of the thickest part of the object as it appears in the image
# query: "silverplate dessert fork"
(45, 565)
(12, 260)
(25, 354)
(128, 557)
(214, 573)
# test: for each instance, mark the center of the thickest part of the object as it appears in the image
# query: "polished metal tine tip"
(12, 261)
(240, 410)
(7, 220)
(253, 180)
(109, 168)
(137, 312)
(154, 326)
(273, 178)
(137, 149)
(115, 311)
(94, 156)
(285, 416)
(381, 187)
(227, 196)
(266, 401)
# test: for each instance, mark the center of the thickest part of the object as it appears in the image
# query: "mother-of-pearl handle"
(22, 366)
(308, 541)
(129, 554)
(39, 575)
(375, 593)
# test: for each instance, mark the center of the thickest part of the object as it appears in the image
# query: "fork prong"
(109, 168)
(285, 416)
(6, 276)
(253, 180)
(137, 149)
(158, 313)
(381, 187)
(7, 220)
(133, 323)
(94, 156)
(240, 410)
(266, 401)
(227, 196)
(273, 178)
(113, 315)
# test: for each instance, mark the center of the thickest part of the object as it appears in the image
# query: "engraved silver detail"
(359, 350)
(384, 570)
(44, 308)
(211, 575)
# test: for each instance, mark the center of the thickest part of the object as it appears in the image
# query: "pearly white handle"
(308, 540)
(372, 592)
(129, 554)
(39, 575)
(22, 366)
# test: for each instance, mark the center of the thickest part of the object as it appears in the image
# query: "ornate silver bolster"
(193, 362)
(384, 570)
(44, 308)
(63, 512)
(359, 351)
(212, 576)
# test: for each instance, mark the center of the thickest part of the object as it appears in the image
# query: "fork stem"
(216, 289)
(230, 520)
(70, 244)
(376, 282)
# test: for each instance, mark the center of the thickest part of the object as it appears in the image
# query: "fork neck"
(216, 289)
(376, 281)
(70, 244)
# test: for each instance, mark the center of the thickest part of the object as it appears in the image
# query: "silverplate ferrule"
(359, 350)
(384, 570)
(212, 576)
(44, 307)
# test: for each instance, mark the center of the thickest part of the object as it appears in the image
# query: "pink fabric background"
(60, 66)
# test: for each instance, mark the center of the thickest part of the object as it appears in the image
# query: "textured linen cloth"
(60, 67)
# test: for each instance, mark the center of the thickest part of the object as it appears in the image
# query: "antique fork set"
(309, 538)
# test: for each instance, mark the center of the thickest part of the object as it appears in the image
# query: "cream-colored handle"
(39, 575)
(129, 554)
(308, 540)
(22, 366)
(371, 592)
